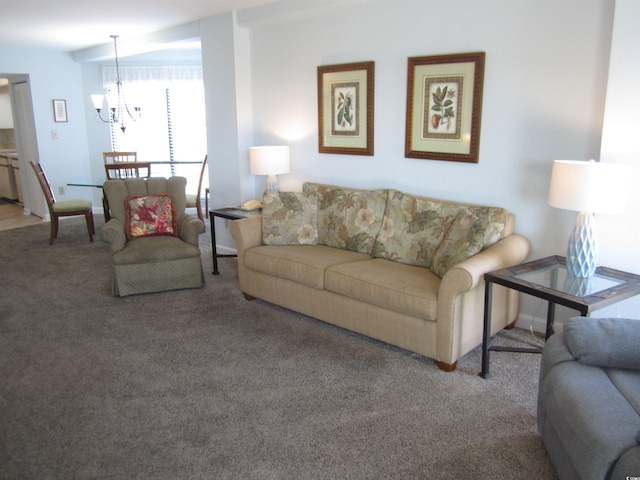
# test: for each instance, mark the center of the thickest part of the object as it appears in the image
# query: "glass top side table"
(549, 280)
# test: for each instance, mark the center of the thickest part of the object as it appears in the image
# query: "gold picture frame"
(444, 104)
(345, 108)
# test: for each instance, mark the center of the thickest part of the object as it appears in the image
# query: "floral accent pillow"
(351, 220)
(474, 229)
(150, 215)
(289, 218)
(413, 228)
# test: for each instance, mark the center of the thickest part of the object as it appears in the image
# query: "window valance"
(161, 74)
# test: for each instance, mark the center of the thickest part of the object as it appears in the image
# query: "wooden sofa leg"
(248, 297)
(511, 325)
(447, 367)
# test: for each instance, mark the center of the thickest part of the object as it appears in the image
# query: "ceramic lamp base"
(582, 252)
(272, 183)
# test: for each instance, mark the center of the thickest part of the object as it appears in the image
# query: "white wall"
(620, 234)
(54, 75)
(544, 84)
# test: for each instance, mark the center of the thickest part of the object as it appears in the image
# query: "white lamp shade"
(588, 186)
(97, 101)
(269, 160)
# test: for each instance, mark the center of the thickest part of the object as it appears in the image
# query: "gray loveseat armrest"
(604, 342)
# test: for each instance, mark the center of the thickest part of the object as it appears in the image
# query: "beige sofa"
(400, 268)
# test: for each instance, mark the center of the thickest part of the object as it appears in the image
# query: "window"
(172, 131)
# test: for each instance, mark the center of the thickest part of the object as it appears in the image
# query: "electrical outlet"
(54, 134)
(60, 190)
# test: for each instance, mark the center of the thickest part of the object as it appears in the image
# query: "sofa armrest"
(460, 296)
(190, 227)
(112, 232)
(468, 274)
(247, 233)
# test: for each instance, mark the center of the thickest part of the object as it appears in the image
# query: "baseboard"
(222, 250)
(527, 321)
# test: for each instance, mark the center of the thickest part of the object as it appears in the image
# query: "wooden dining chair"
(127, 170)
(118, 157)
(193, 199)
(64, 208)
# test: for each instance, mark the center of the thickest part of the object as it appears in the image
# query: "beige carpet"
(201, 384)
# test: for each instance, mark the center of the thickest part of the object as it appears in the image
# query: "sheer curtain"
(173, 124)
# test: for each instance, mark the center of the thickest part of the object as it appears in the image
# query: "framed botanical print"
(345, 108)
(444, 105)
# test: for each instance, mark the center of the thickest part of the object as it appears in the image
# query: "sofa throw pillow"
(150, 215)
(413, 228)
(350, 219)
(473, 229)
(289, 218)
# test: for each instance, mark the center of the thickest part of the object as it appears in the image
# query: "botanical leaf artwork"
(344, 109)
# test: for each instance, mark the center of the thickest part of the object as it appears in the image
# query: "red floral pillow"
(149, 215)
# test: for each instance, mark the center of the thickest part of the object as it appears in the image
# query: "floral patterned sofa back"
(387, 224)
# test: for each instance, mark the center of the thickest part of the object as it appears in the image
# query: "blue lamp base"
(582, 252)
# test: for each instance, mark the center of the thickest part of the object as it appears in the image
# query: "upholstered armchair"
(153, 242)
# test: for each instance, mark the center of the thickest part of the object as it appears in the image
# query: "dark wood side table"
(548, 279)
(228, 213)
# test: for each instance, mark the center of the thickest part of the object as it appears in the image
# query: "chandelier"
(119, 112)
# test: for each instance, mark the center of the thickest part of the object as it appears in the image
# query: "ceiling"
(68, 25)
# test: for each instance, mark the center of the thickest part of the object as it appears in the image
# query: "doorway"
(25, 143)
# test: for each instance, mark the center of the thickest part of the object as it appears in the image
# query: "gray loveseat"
(589, 399)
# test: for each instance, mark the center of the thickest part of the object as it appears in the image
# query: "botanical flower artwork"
(444, 105)
(442, 99)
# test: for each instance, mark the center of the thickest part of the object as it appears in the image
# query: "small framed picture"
(444, 103)
(345, 108)
(60, 110)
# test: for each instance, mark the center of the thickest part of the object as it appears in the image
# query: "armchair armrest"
(112, 232)
(190, 227)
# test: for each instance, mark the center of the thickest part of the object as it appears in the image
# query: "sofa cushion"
(413, 228)
(150, 215)
(348, 218)
(300, 263)
(402, 288)
(290, 218)
(604, 342)
(473, 229)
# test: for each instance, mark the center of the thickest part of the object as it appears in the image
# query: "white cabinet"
(10, 181)
(6, 117)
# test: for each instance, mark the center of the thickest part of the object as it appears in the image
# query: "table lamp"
(588, 187)
(271, 161)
